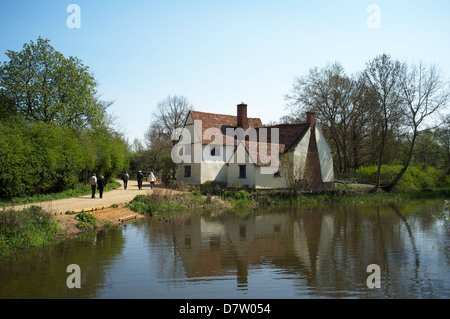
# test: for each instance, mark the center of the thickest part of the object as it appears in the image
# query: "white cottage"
(227, 148)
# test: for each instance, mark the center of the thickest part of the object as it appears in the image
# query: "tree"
(424, 94)
(382, 76)
(442, 135)
(161, 134)
(46, 86)
(329, 93)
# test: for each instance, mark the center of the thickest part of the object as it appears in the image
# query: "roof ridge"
(220, 114)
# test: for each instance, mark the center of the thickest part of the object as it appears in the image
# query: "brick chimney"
(311, 119)
(242, 120)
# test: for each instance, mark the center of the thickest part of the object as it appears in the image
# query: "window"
(215, 150)
(242, 171)
(187, 171)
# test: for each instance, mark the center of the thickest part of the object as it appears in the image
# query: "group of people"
(97, 182)
(100, 182)
(140, 179)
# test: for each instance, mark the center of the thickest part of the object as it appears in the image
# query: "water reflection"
(326, 249)
(271, 253)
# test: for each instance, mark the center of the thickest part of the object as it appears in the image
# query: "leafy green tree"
(49, 87)
(37, 157)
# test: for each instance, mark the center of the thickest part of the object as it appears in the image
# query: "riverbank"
(40, 225)
(159, 203)
(21, 225)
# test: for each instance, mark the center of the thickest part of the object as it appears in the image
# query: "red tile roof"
(289, 134)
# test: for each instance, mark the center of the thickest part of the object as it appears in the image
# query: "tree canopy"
(44, 85)
(376, 116)
(54, 130)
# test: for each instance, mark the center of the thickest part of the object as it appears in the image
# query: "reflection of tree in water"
(41, 273)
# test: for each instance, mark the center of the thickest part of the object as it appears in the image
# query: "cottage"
(238, 149)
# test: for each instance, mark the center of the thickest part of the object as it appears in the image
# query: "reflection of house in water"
(216, 247)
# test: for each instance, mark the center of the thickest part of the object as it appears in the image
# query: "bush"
(213, 187)
(142, 204)
(86, 221)
(27, 228)
(37, 158)
(414, 179)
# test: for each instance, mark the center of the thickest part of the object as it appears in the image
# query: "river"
(321, 252)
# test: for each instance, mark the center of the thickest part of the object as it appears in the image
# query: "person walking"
(93, 183)
(101, 184)
(125, 179)
(140, 178)
(152, 179)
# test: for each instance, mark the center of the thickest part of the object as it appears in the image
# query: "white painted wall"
(325, 157)
(300, 153)
(264, 180)
(240, 157)
(205, 167)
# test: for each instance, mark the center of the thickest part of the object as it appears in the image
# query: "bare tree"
(424, 93)
(168, 117)
(293, 171)
(442, 135)
(382, 76)
(328, 92)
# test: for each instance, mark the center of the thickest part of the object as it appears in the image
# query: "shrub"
(142, 204)
(414, 179)
(86, 221)
(213, 187)
(27, 228)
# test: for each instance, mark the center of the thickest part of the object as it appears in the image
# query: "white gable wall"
(325, 157)
(300, 153)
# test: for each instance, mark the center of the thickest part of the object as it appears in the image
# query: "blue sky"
(221, 53)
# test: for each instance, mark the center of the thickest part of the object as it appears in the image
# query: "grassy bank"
(30, 227)
(344, 197)
(78, 190)
(159, 203)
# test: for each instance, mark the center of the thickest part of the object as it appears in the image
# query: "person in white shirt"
(93, 183)
(152, 179)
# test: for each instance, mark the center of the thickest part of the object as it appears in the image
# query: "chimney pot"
(242, 120)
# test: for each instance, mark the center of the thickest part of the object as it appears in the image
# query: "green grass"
(344, 197)
(158, 203)
(78, 190)
(240, 199)
(30, 227)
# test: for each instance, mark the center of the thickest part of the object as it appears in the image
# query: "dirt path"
(99, 207)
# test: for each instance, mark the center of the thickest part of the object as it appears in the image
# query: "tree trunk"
(391, 185)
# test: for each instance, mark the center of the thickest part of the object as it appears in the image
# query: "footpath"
(86, 203)
(99, 207)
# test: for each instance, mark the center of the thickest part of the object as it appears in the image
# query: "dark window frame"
(187, 171)
(242, 171)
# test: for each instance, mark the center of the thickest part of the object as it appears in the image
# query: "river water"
(272, 253)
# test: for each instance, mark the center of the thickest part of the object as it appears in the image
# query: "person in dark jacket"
(101, 184)
(125, 179)
(140, 178)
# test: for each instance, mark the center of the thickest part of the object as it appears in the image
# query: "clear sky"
(221, 53)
